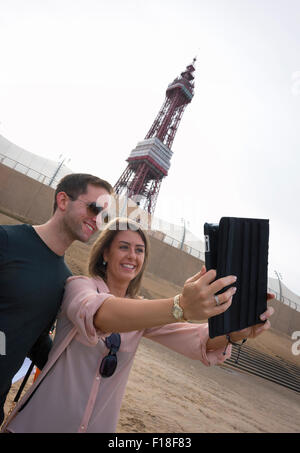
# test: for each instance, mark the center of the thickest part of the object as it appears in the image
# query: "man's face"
(79, 221)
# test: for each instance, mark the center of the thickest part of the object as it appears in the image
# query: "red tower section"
(149, 162)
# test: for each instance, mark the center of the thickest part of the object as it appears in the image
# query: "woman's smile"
(129, 267)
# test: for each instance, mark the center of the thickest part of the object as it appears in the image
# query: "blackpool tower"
(149, 162)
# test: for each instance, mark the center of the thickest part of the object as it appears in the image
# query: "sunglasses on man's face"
(109, 362)
(92, 207)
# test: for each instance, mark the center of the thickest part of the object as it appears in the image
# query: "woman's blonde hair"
(97, 267)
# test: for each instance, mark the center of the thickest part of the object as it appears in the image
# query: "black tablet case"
(239, 246)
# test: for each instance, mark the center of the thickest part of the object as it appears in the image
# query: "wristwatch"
(177, 311)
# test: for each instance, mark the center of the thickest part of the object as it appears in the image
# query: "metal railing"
(25, 170)
(285, 300)
(177, 244)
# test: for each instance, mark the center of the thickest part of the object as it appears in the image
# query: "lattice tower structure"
(149, 162)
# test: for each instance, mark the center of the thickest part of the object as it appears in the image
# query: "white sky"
(86, 78)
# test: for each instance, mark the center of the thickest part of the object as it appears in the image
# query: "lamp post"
(58, 169)
(183, 235)
(279, 276)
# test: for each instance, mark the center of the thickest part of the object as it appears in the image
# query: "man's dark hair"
(76, 184)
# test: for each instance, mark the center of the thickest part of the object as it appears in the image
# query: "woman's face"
(125, 256)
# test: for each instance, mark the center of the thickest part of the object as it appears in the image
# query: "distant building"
(46, 171)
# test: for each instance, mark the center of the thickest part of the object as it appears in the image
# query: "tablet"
(239, 246)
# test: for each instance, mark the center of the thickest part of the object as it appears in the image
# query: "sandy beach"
(169, 393)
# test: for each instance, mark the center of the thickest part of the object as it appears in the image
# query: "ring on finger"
(217, 300)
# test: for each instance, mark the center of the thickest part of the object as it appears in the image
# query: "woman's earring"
(104, 263)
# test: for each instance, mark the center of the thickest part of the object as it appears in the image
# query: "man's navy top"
(32, 279)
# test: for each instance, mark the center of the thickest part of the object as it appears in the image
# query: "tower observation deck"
(149, 161)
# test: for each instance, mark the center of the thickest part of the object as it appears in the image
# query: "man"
(33, 271)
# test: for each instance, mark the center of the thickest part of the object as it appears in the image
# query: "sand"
(169, 393)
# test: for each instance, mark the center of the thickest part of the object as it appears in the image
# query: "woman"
(83, 390)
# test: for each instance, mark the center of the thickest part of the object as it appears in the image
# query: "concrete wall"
(170, 263)
(24, 198)
(30, 201)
